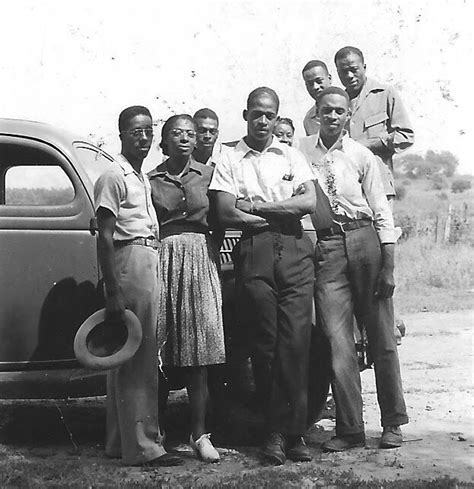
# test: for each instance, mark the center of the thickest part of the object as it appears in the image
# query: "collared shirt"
(217, 152)
(127, 194)
(311, 121)
(349, 176)
(182, 198)
(378, 112)
(272, 175)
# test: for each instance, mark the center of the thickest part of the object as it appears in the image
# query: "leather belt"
(342, 228)
(150, 242)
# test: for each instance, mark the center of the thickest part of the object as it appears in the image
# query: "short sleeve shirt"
(127, 194)
(181, 198)
(272, 175)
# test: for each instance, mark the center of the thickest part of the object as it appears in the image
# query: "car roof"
(60, 138)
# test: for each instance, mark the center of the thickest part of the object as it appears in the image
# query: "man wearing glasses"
(127, 248)
(255, 186)
(207, 150)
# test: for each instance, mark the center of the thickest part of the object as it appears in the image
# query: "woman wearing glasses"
(190, 332)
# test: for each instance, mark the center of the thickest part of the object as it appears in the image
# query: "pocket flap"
(375, 119)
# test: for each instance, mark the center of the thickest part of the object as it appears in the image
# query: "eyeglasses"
(177, 133)
(204, 130)
(136, 133)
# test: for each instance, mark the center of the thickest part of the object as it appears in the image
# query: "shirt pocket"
(375, 125)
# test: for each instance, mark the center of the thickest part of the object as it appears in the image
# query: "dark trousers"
(275, 283)
(346, 270)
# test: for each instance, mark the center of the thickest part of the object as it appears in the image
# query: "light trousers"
(346, 268)
(132, 430)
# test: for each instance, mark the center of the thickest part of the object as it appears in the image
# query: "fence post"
(447, 228)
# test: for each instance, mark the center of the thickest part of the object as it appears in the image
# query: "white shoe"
(204, 449)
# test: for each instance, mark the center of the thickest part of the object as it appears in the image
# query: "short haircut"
(346, 50)
(130, 113)
(285, 120)
(206, 114)
(315, 63)
(168, 125)
(333, 91)
(262, 92)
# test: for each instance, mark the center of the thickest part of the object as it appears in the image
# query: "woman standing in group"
(284, 130)
(190, 331)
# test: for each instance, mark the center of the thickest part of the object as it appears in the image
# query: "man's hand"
(385, 284)
(115, 307)
(243, 205)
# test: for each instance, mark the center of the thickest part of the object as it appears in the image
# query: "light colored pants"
(346, 269)
(132, 389)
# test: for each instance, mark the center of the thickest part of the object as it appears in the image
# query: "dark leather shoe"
(297, 451)
(273, 449)
(391, 437)
(166, 460)
(343, 443)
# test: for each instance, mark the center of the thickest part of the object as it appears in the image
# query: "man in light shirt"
(379, 120)
(316, 78)
(255, 188)
(354, 263)
(127, 248)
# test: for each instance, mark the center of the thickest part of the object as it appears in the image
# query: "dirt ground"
(60, 444)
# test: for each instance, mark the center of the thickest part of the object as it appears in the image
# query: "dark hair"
(346, 50)
(168, 125)
(332, 91)
(262, 91)
(206, 114)
(285, 120)
(130, 113)
(315, 63)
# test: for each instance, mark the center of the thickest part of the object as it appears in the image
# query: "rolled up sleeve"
(375, 194)
(400, 129)
(109, 191)
(222, 178)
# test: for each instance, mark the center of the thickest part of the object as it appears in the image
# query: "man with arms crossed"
(128, 258)
(354, 273)
(255, 186)
(316, 77)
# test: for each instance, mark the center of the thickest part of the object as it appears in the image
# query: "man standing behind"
(128, 258)
(255, 188)
(354, 273)
(316, 77)
(207, 150)
(378, 120)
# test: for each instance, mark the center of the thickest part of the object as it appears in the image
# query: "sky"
(77, 64)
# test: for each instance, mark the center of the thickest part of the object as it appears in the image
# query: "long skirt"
(190, 329)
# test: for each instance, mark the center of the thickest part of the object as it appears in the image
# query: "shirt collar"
(125, 164)
(313, 112)
(242, 149)
(339, 144)
(161, 170)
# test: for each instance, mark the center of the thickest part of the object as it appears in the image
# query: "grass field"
(434, 274)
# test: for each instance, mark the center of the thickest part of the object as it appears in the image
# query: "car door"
(48, 259)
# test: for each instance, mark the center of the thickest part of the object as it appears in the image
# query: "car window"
(37, 185)
(94, 160)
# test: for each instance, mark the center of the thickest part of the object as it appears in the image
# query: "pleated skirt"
(190, 330)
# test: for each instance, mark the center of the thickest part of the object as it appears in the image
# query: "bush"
(438, 182)
(460, 185)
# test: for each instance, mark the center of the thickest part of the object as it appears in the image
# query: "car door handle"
(93, 228)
